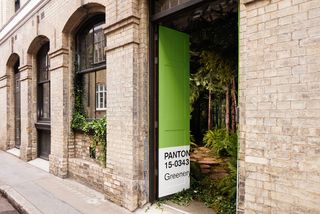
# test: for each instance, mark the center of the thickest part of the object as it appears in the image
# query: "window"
(101, 95)
(16, 5)
(92, 66)
(43, 83)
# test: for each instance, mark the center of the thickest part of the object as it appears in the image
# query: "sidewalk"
(36, 191)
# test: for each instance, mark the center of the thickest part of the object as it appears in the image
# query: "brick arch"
(31, 71)
(82, 14)
(12, 60)
(34, 47)
(36, 44)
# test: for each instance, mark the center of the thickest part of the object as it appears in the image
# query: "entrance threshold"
(40, 163)
(193, 208)
(14, 151)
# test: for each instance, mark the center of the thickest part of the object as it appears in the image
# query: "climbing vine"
(95, 129)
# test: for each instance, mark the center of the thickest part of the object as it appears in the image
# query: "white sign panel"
(174, 170)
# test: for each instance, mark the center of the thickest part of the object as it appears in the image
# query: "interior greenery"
(94, 128)
(213, 104)
(217, 194)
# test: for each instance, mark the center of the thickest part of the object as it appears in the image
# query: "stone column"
(28, 151)
(60, 125)
(127, 106)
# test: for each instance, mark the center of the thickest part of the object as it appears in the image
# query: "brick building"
(45, 43)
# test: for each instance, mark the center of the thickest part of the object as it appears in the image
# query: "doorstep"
(14, 151)
(40, 163)
(195, 207)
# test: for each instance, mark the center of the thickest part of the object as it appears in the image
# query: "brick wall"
(124, 180)
(127, 111)
(279, 106)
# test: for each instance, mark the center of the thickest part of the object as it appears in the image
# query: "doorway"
(173, 113)
(17, 106)
(210, 82)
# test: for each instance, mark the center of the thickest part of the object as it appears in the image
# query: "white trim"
(22, 15)
(99, 93)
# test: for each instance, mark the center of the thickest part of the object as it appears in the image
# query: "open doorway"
(194, 110)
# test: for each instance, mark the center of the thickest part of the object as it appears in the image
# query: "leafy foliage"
(217, 194)
(225, 144)
(78, 121)
(221, 142)
(214, 57)
(212, 193)
(97, 128)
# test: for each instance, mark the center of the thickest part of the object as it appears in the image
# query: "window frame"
(96, 20)
(98, 96)
(90, 24)
(42, 82)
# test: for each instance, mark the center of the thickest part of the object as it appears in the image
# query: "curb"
(18, 201)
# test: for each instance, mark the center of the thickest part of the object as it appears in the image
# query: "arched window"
(91, 61)
(16, 5)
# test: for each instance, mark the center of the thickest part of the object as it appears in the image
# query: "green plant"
(225, 145)
(217, 194)
(222, 143)
(78, 121)
(97, 128)
(212, 193)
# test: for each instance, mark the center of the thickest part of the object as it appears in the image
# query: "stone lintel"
(25, 72)
(58, 59)
(122, 23)
(121, 46)
(58, 52)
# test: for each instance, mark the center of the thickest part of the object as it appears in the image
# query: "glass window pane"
(99, 44)
(100, 93)
(97, 99)
(89, 94)
(89, 49)
(98, 52)
(83, 54)
(43, 89)
(44, 101)
(42, 63)
(91, 45)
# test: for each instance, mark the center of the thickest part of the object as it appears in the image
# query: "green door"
(174, 121)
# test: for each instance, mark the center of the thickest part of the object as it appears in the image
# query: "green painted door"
(174, 121)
